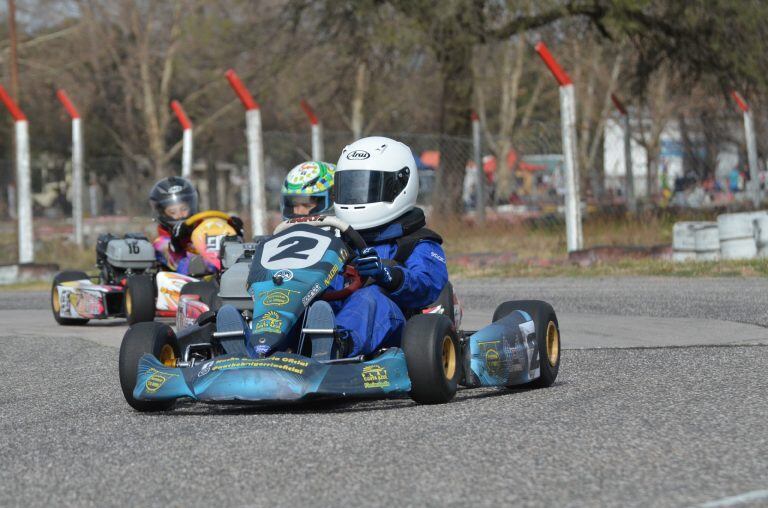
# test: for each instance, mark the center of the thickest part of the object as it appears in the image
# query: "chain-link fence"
(118, 186)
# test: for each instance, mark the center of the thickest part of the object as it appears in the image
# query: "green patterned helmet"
(307, 190)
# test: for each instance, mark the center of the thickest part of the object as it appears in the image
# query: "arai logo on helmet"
(358, 155)
(174, 189)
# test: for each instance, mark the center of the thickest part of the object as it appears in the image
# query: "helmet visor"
(297, 205)
(176, 207)
(361, 186)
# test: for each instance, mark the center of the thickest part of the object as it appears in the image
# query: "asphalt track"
(661, 401)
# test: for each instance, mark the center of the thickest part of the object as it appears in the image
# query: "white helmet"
(376, 182)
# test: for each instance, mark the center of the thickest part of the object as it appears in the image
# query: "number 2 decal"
(296, 248)
(300, 249)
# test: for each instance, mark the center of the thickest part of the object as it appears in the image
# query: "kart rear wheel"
(547, 335)
(139, 303)
(208, 292)
(67, 276)
(433, 357)
(152, 338)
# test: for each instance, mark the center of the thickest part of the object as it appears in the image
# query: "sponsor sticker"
(269, 322)
(276, 297)
(205, 369)
(334, 271)
(313, 291)
(493, 361)
(490, 349)
(287, 364)
(375, 376)
(284, 274)
(261, 349)
(156, 380)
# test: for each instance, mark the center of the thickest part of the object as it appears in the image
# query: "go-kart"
(130, 283)
(273, 340)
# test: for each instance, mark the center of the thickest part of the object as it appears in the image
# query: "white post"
(77, 179)
(478, 156)
(317, 142)
(186, 153)
(256, 170)
(24, 187)
(754, 182)
(629, 172)
(574, 235)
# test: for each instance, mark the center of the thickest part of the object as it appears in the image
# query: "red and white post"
(574, 236)
(749, 134)
(23, 179)
(629, 174)
(187, 139)
(77, 165)
(317, 131)
(255, 142)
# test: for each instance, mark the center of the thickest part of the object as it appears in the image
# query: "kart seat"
(443, 305)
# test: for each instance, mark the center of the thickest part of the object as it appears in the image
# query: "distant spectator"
(735, 180)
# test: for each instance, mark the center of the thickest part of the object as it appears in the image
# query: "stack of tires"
(737, 235)
(684, 241)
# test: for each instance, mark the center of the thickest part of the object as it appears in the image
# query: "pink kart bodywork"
(83, 299)
(189, 309)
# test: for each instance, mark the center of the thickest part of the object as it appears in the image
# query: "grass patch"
(545, 237)
(63, 253)
(623, 268)
(37, 285)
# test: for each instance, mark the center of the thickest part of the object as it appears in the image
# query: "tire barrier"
(733, 236)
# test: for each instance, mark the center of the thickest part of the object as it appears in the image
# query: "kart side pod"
(504, 353)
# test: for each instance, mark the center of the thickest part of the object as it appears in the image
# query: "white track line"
(747, 497)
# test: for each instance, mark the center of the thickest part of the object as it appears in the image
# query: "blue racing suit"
(374, 316)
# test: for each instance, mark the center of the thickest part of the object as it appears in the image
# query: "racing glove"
(237, 224)
(369, 264)
(180, 236)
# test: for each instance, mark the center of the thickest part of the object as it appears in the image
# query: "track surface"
(628, 424)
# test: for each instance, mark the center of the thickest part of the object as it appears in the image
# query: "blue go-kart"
(273, 338)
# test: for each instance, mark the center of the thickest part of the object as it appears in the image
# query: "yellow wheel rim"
(128, 303)
(449, 358)
(167, 356)
(55, 300)
(553, 344)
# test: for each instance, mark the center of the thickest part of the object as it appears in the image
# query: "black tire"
(152, 338)
(139, 302)
(67, 276)
(208, 292)
(433, 357)
(547, 335)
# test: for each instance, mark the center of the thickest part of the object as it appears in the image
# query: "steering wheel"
(353, 281)
(210, 214)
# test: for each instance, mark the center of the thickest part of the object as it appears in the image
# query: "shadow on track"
(331, 406)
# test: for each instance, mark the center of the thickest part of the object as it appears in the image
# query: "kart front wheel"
(139, 303)
(547, 335)
(433, 357)
(68, 276)
(152, 338)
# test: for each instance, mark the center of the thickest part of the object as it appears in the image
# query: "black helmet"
(173, 190)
